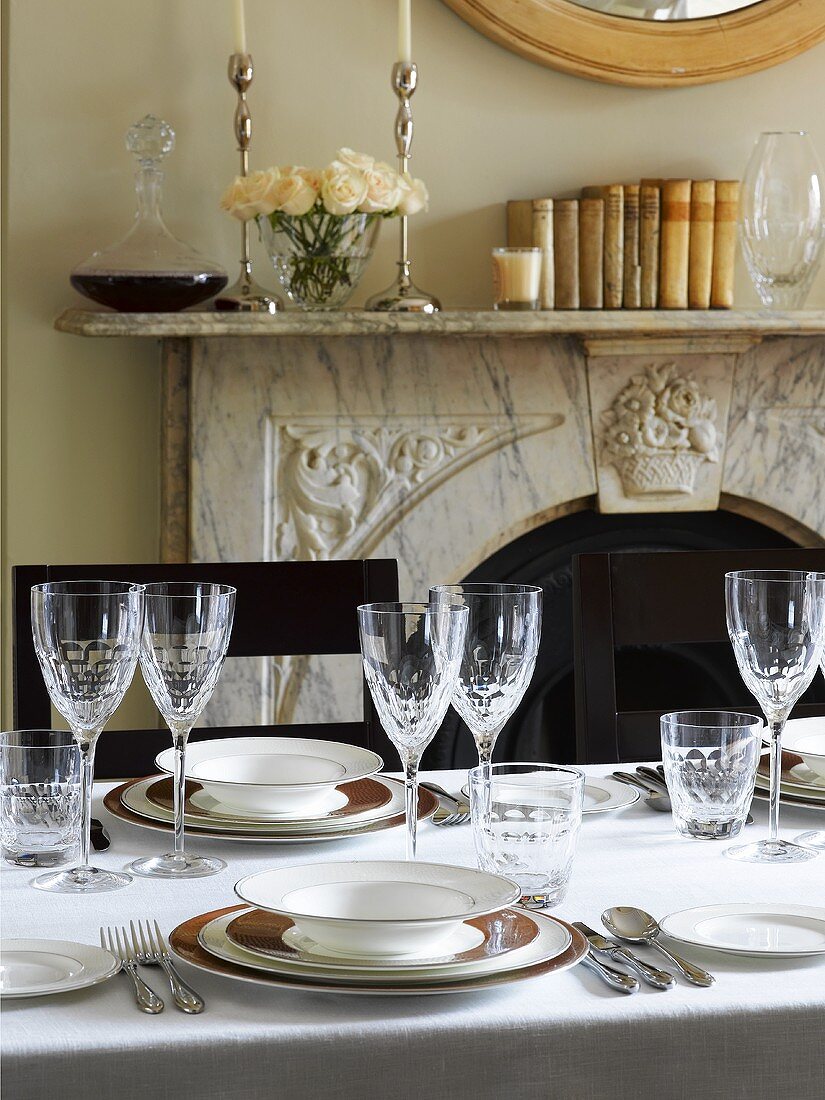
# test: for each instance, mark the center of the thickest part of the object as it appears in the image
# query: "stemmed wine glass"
(499, 658)
(87, 638)
(411, 654)
(185, 639)
(775, 622)
(815, 838)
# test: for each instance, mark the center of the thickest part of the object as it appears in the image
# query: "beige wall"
(80, 428)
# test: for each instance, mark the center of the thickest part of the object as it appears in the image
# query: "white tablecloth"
(759, 1032)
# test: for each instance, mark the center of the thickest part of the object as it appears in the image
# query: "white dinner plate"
(753, 929)
(552, 940)
(135, 799)
(789, 796)
(600, 795)
(377, 907)
(281, 775)
(35, 968)
(806, 738)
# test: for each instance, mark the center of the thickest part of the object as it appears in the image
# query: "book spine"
(591, 253)
(613, 263)
(632, 271)
(674, 245)
(700, 262)
(543, 239)
(566, 252)
(649, 216)
(520, 223)
(726, 214)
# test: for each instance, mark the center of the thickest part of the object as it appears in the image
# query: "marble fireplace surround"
(438, 441)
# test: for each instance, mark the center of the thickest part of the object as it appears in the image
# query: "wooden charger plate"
(184, 942)
(427, 805)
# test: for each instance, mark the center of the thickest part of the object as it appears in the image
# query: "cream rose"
(248, 196)
(384, 189)
(343, 189)
(414, 196)
(361, 162)
(293, 195)
(311, 175)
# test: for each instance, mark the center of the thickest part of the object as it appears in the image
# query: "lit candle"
(405, 31)
(239, 25)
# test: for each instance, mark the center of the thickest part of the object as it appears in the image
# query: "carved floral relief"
(659, 430)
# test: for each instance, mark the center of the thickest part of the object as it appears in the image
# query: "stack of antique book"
(657, 244)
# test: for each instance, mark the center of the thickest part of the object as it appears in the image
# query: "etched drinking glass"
(526, 821)
(710, 759)
(775, 623)
(185, 639)
(87, 638)
(411, 654)
(40, 797)
(500, 651)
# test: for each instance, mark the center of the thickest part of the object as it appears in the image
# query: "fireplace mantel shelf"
(643, 324)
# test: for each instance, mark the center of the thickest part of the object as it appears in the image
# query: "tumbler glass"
(710, 759)
(40, 797)
(526, 820)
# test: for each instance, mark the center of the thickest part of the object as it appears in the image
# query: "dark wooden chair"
(282, 609)
(628, 606)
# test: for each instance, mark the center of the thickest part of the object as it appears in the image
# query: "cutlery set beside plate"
(286, 790)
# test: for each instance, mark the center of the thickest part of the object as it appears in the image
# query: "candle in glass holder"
(516, 278)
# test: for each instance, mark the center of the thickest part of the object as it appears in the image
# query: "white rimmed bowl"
(378, 907)
(273, 775)
(806, 738)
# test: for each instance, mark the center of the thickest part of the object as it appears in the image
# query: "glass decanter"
(149, 270)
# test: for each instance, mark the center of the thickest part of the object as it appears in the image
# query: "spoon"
(636, 926)
(655, 799)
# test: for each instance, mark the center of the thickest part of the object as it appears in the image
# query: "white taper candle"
(239, 24)
(405, 31)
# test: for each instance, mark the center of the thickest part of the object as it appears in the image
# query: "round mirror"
(650, 43)
(666, 9)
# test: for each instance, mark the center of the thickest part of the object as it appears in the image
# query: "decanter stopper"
(150, 140)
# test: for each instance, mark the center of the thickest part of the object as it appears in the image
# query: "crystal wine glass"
(781, 221)
(411, 654)
(87, 638)
(775, 620)
(500, 650)
(815, 838)
(185, 639)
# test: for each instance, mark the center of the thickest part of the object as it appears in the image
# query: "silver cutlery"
(653, 797)
(151, 950)
(616, 979)
(625, 922)
(657, 776)
(451, 810)
(660, 979)
(147, 999)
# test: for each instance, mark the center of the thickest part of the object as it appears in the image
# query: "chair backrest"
(626, 600)
(282, 609)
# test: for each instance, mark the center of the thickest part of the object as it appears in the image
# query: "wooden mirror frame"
(646, 54)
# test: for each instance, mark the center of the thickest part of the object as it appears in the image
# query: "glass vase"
(781, 224)
(319, 258)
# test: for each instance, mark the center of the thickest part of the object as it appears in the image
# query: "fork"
(152, 951)
(147, 999)
(445, 818)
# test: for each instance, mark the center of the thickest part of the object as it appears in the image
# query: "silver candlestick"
(403, 296)
(246, 294)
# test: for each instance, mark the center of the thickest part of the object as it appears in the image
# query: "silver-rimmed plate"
(754, 929)
(38, 968)
(600, 795)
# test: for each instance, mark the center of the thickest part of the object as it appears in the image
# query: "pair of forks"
(147, 947)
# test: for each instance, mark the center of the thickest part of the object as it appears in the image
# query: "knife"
(99, 836)
(661, 979)
(617, 979)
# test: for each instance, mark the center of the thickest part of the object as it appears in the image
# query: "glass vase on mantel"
(781, 218)
(319, 258)
(149, 270)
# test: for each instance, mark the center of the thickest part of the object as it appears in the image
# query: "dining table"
(759, 1031)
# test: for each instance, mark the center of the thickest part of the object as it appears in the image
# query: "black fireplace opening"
(674, 677)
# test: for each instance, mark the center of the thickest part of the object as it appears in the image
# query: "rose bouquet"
(320, 225)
